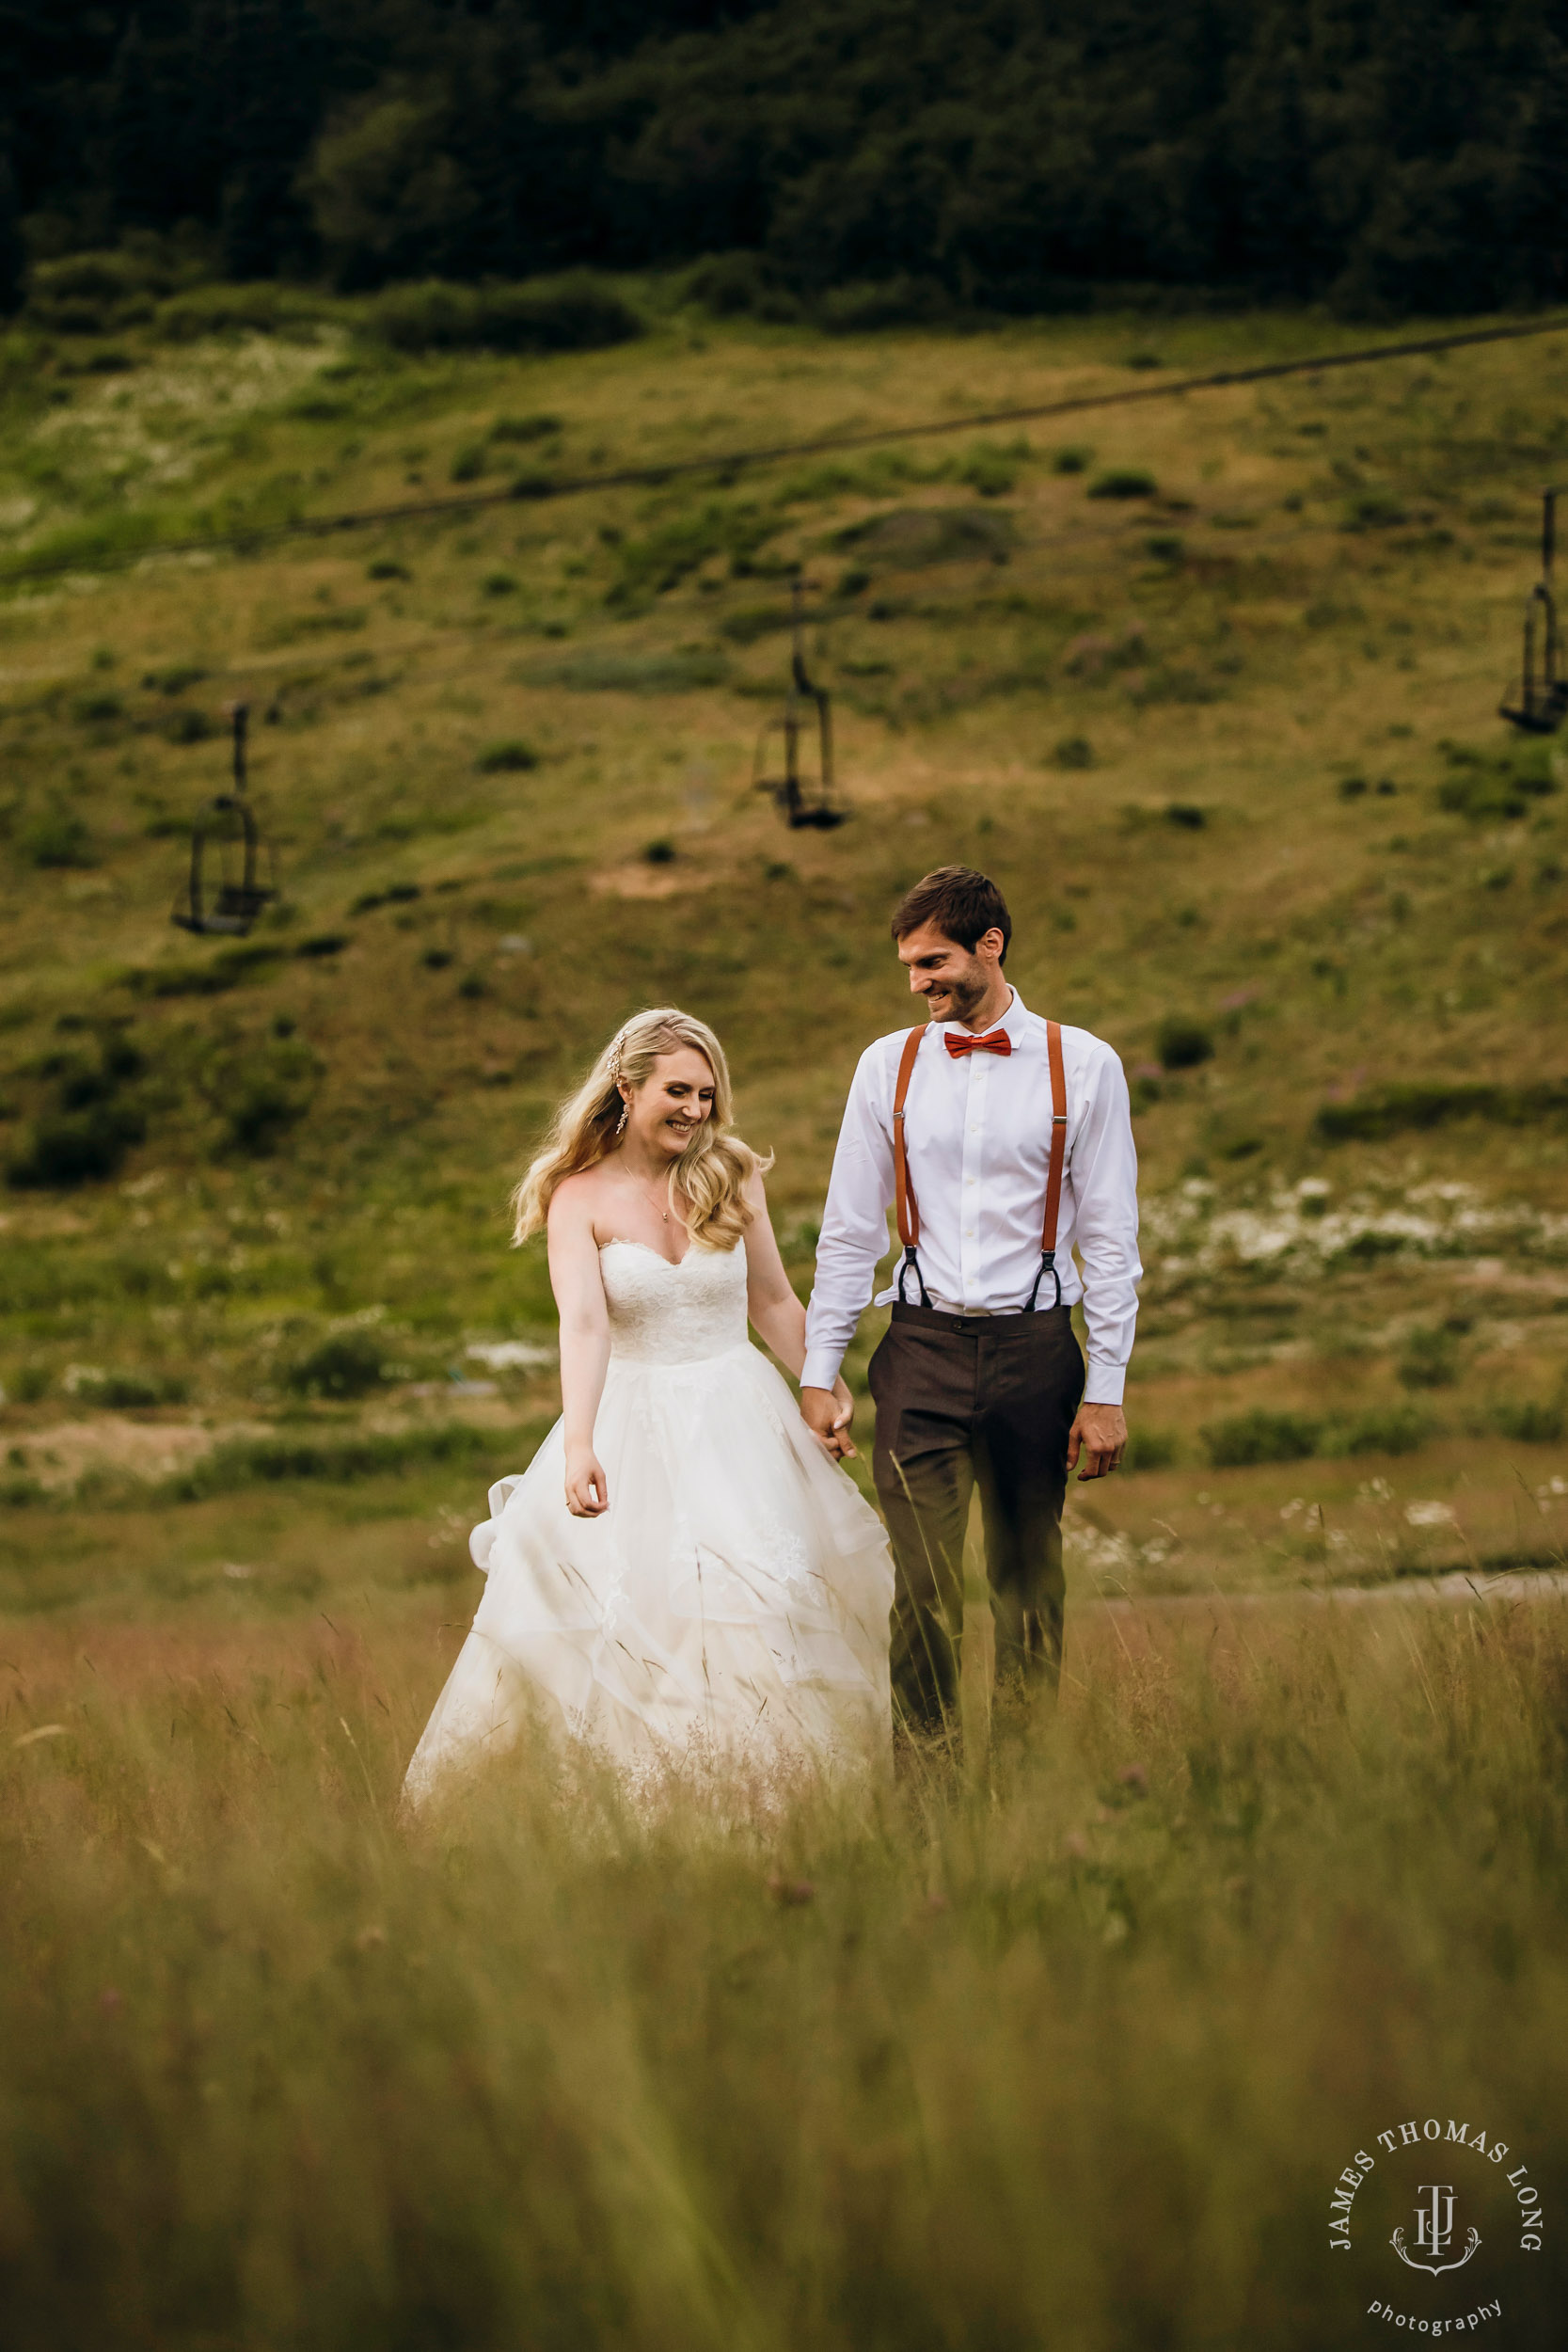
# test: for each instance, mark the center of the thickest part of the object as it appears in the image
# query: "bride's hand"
(587, 1488)
(844, 1413)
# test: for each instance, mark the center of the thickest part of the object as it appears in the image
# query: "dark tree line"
(1387, 153)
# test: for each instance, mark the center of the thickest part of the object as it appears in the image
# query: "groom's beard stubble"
(960, 1000)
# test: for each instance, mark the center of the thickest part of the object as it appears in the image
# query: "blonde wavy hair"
(711, 1173)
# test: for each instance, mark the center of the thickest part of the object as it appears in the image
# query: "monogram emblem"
(1434, 2232)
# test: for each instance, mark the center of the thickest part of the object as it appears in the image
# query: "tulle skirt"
(729, 1609)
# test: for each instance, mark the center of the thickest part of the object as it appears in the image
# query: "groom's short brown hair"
(962, 904)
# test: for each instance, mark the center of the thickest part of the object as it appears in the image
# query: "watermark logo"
(1434, 2230)
(1423, 2199)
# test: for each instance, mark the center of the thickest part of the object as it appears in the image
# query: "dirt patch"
(646, 881)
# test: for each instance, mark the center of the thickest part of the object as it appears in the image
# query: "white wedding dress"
(729, 1608)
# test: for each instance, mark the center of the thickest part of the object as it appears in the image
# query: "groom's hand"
(827, 1413)
(1099, 1435)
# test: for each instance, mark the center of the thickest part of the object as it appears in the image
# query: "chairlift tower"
(1539, 701)
(227, 824)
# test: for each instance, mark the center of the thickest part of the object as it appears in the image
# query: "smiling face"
(666, 1110)
(956, 982)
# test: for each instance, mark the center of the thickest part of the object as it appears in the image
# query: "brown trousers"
(961, 1399)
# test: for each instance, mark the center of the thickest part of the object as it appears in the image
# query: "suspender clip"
(1047, 1265)
(911, 1259)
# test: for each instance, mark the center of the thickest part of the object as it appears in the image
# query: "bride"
(683, 1571)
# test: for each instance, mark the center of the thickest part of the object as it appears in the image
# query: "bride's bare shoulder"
(576, 1196)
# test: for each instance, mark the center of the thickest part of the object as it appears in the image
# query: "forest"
(914, 162)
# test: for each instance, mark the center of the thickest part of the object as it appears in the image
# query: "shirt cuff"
(820, 1369)
(1105, 1383)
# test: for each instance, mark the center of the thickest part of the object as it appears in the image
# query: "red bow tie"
(960, 1042)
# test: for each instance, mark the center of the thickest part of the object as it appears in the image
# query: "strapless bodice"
(661, 1314)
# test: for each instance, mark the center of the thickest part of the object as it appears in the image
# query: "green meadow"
(1063, 2045)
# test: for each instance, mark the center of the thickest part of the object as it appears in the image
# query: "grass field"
(1211, 688)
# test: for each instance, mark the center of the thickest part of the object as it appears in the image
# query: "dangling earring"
(621, 1122)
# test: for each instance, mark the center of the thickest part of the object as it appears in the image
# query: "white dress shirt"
(977, 1131)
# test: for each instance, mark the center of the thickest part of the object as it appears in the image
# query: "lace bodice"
(661, 1314)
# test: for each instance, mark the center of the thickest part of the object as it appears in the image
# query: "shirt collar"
(1014, 1020)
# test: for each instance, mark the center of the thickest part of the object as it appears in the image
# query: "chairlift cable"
(543, 487)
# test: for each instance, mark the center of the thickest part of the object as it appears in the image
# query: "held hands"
(1100, 1434)
(828, 1413)
(587, 1488)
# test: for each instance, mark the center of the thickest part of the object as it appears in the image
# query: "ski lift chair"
(230, 901)
(812, 800)
(1539, 701)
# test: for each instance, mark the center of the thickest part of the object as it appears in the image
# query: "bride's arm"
(580, 1298)
(777, 1315)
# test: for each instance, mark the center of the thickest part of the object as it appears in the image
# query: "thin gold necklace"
(652, 1203)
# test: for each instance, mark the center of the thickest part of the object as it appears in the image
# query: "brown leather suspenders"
(1058, 1156)
(909, 1208)
(903, 1191)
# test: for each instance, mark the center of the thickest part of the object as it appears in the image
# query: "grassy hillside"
(1211, 690)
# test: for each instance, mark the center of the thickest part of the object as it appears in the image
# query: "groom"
(1004, 1142)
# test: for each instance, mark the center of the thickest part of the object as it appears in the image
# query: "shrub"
(1123, 481)
(538, 428)
(1530, 1423)
(1151, 1449)
(1388, 1429)
(1075, 751)
(732, 285)
(499, 584)
(1430, 1359)
(506, 758)
(244, 1462)
(190, 725)
(395, 893)
(92, 294)
(908, 538)
(1182, 1044)
(1400, 1109)
(1245, 1439)
(97, 710)
(573, 314)
(1486, 784)
(260, 308)
(749, 622)
(1072, 461)
(470, 462)
(1187, 814)
(55, 836)
(71, 1148)
(259, 1091)
(990, 470)
(673, 550)
(661, 853)
(1166, 547)
(347, 1363)
(899, 301)
(125, 1391)
(386, 567)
